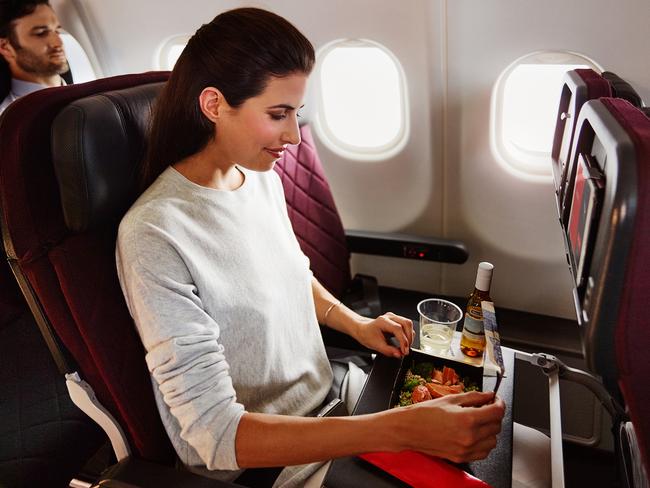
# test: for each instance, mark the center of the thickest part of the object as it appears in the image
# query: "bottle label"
(476, 338)
(473, 326)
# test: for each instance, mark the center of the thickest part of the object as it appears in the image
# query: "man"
(32, 52)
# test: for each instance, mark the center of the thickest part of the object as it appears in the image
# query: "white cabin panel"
(445, 182)
(503, 218)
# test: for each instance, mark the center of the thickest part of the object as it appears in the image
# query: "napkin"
(423, 471)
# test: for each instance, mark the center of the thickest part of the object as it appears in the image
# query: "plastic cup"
(438, 321)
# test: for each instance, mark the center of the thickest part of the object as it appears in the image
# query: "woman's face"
(255, 134)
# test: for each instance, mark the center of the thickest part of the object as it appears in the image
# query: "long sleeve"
(184, 355)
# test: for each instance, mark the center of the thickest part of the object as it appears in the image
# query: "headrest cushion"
(622, 89)
(597, 86)
(98, 143)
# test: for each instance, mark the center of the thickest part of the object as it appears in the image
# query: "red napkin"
(422, 471)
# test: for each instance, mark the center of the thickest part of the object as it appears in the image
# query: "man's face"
(35, 45)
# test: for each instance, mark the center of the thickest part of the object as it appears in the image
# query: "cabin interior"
(447, 133)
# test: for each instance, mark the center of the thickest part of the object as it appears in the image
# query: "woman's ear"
(212, 103)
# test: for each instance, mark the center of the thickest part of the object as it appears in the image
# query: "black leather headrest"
(622, 89)
(98, 143)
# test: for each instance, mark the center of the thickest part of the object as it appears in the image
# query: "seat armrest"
(137, 473)
(406, 246)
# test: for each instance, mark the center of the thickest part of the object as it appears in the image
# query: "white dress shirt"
(21, 88)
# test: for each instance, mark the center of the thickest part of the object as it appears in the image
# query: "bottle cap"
(484, 276)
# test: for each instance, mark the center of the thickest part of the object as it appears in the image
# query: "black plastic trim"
(406, 246)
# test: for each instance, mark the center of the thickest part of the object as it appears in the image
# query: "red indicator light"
(421, 254)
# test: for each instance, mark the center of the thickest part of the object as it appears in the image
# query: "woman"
(221, 294)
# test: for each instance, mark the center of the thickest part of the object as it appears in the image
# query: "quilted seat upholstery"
(44, 438)
(313, 214)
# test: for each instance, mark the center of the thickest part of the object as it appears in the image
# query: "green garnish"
(411, 382)
(423, 369)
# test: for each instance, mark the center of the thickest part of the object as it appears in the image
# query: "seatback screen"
(583, 218)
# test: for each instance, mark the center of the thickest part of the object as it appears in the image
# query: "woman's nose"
(292, 134)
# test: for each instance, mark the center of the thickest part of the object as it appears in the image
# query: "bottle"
(472, 342)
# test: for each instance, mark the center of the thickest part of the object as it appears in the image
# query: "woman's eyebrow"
(285, 106)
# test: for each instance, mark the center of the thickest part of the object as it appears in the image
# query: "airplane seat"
(579, 86)
(67, 76)
(608, 248)
(68, 277)
(313, 213)
(622, 89)
(45, 438)
(322, 238)
(632, 330)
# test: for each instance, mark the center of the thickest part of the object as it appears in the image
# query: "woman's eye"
(278, 116)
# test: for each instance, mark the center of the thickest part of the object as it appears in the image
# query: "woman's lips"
(275, 152)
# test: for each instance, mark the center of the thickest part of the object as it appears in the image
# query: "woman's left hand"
(372, 334)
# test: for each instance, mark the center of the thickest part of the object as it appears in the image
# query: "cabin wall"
(446, 182)
(502, 217)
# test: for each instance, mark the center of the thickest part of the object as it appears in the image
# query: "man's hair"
(11, 10)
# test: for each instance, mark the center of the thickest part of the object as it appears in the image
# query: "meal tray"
(464, 370)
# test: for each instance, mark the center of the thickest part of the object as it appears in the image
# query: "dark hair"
(11, 10)
(237, 53)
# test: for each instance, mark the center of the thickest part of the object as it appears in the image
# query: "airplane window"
(362, 110)
(80, 67)
(170, 51)
(524, 107)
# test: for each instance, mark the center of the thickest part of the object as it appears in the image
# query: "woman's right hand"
(460, 427)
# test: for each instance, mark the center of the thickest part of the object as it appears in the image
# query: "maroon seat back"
(313, 214)
(611, 292)
(70, 277)
(632, 333)
(579, 86)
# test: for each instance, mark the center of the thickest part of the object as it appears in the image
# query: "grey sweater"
(221, 296)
